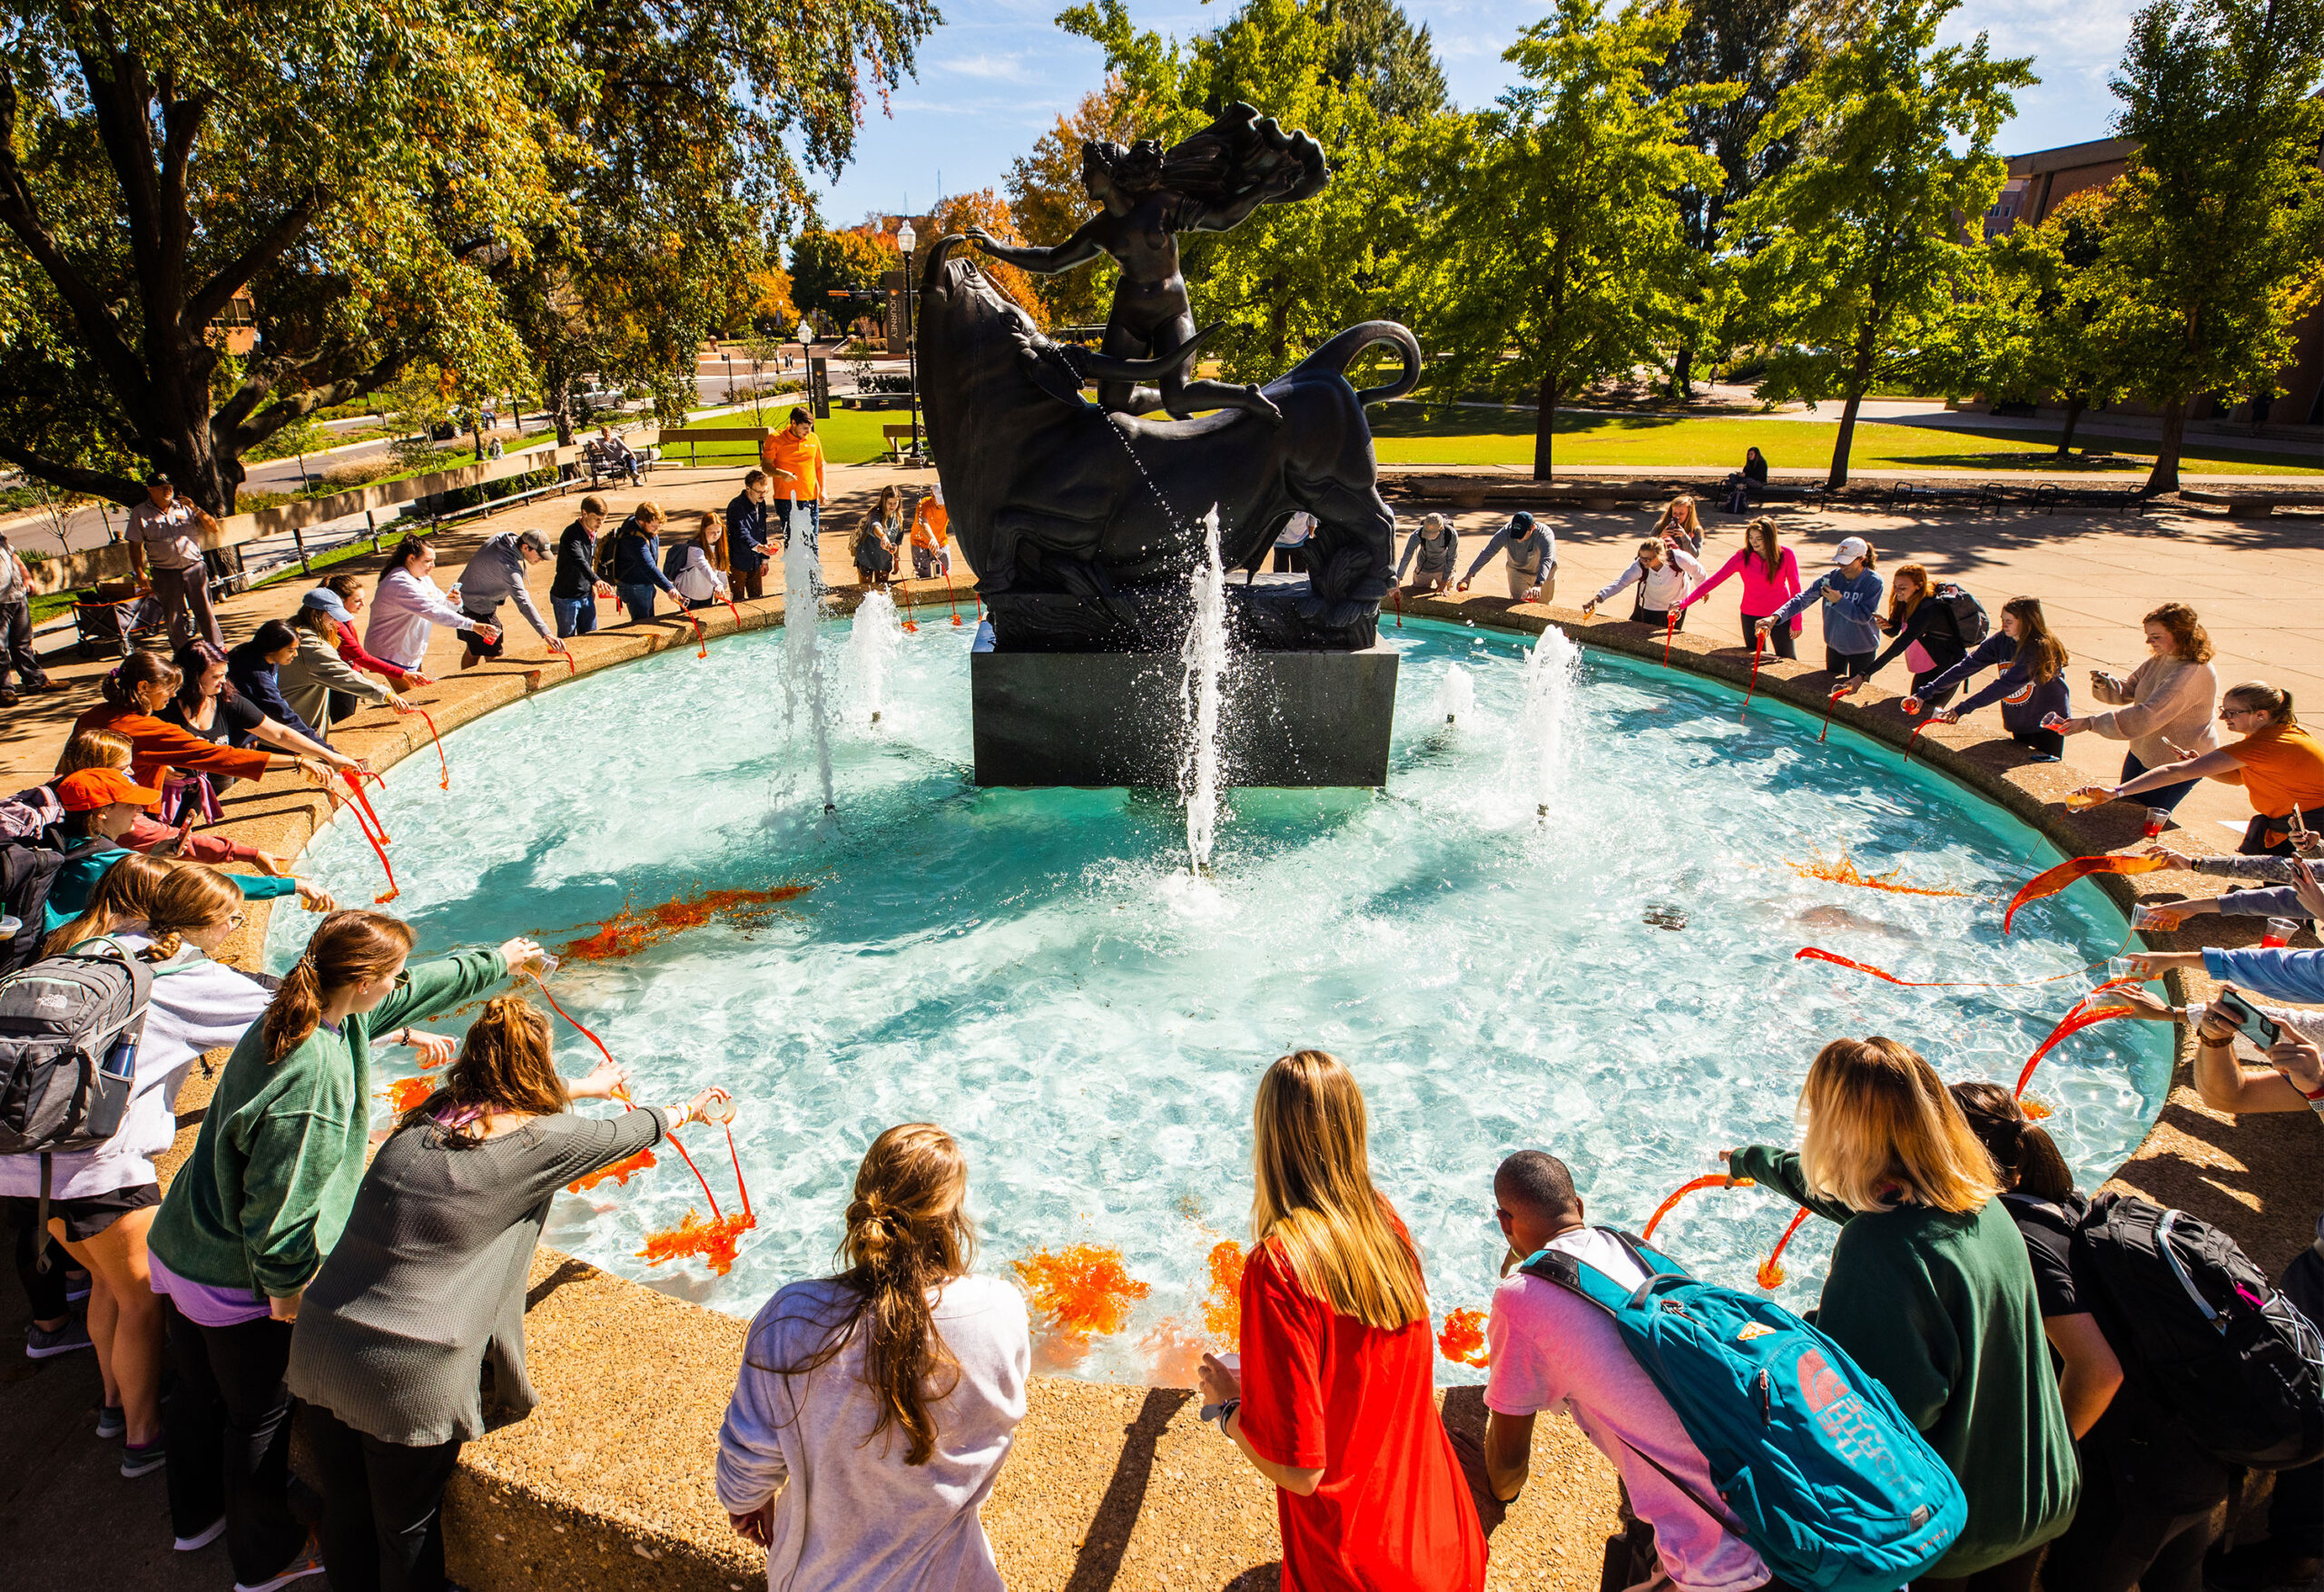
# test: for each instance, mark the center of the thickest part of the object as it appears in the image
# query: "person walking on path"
(746, 536)
(2030, 685)
(794, 459)
(2164, 709)
(1664, 575)
(1930, 1291)
(260, 1204)
(1533, 550)
(875, 1409)
(407, 606)
(165, 550)
(1334, 1401)
(1770, 578)
(16, 652)
(425, 1289)
(2279, 765)
(574, 591)
(494, 574)
(1436, 545)
(1850, 592)
(637, 562)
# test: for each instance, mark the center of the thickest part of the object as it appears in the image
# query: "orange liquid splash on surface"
(2035, 1110)
(1845, 872)
(713, 1241)
(406, 1094)
(621, 1172)
(1463, 1339)
(1083, 1290)
(2082, 1017)
(1771, 1273)
(2055, 880)
(1222, 1308)
(1713, 1180)
(1813, 954)
(627, 933)
(1173, 1355)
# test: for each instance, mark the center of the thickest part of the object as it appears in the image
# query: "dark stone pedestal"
(1293, 719)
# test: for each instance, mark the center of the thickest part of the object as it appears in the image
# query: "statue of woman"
(1209, 183)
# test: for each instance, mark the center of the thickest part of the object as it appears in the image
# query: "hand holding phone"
(2233, 1009)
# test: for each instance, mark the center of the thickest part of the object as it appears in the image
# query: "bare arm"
(1509, 1450)
(1079, 250)
(2222, 765)
(2226, 1085)
(2092, 1374)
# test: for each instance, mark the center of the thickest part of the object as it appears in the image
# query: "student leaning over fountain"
(1930, 1290)
(255, 1209)
(1851, 596)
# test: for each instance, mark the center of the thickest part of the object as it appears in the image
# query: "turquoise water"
(1037, 972)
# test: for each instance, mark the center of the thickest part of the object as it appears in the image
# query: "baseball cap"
(94, 787)
(1850, 550)
(324, 598)
(1521, 522)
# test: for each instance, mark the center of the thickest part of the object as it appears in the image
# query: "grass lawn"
(1408, 433)
(851, 436)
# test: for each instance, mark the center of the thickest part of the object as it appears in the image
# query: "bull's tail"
(1337, 354)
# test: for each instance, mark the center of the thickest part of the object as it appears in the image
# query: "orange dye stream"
(948, 598)
(2065, 873)
(701, 641)
(1914, 739)
(1084, 1291)
(1222, 1308)
(620, 1172)
(1462, 1340)
(627, 933)
(1669, 628)
(1714, 1180)
(2082, 1017)
(1771, 1272)
(714, 1241)
(1827, 729)
(364, 822)
(406, 1094)
(626, 1105)
(1845, 872)
(1812, 953)
(445, 783)
(1759, 645)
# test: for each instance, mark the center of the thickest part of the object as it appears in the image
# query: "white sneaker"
(310, 1562)
(202, 1538)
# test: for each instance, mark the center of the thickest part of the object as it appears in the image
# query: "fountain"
(872, 645)
(1456, 695)
(1536, 755)
(1202, 696)
(805, 691)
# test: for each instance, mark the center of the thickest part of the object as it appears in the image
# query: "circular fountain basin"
(1569, 922)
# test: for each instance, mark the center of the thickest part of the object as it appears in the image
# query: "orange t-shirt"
(157, 746)
(2283, 768)
(930, 524)
(796, 462)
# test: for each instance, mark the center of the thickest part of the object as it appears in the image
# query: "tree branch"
(94, 482)
(285, 411)
(209, 300)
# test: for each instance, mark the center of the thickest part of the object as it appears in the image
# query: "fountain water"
(1201, 694)
(803, 686)
(1456, 695)
(1538, 750)
(871, 653)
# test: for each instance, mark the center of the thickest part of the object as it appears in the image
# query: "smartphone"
(2261, 1031)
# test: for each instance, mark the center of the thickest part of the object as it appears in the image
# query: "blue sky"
(996, 74)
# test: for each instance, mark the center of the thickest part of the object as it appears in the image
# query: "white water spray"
(1201, 694)
(1457, 694)
(804, 690)
(1544, 728)
(871, 653)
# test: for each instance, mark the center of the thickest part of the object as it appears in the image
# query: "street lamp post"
(729, 356)
(905, 239)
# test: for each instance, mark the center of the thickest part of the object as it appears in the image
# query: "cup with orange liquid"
(2157, 919)
(2279, 933)
(2156, 817)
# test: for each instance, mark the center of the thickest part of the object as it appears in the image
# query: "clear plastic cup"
(2160, 919)
(721, 1109)
(2279, 932)
(2156, 817)
(2122, 967)
(2052, 721)
(549, 965)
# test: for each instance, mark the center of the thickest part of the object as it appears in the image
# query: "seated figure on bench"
(609, 455)
(1754, 473)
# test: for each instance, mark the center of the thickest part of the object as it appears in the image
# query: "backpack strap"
(1561, 1270)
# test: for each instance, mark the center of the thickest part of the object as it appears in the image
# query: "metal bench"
(2050, 496)
(756, 436)
(1922, 494)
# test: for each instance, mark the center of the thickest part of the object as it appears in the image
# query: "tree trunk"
(1545, 427)
(2075, 404)
(2164, 477)
(1839, 475)
(557, 392)
(1682, 374)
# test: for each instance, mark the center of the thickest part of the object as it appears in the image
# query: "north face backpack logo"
(1819, 1384)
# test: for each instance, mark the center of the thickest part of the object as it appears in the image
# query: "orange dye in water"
(1714, 1180)
(1173, 1355)
(714, 1241)
(1222, 1308)
(1083, 1290)
(1462, 1340)
(627, 933)
(1771, 1273)
(2051, 880)
(620, 1172)
(406, 1094)
(1845, 872)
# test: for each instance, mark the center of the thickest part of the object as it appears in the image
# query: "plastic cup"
(2052, 721)
(2161, 919)
(549, 963)
(2156, 817)
(721, 1109)
(2279, 932)
(2122, 967)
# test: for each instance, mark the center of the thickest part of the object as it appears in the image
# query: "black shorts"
(476, 643)
(89, 1214)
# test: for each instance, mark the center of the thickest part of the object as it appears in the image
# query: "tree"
(829, 270)
(1565, 255)
(1376, 48)
(1868, 263)
(985, 208)
(2040, 326)
(1047, 201)
(2216, 238)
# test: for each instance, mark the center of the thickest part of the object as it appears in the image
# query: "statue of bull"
(1084, 526)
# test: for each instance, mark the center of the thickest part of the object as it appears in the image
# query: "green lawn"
(1409, 434)
(851, 436)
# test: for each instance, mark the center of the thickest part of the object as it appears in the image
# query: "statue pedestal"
(1097, 718)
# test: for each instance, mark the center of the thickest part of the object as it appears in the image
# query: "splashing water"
(1201, 695)
(1222, 1308)
(1081, 1291)
(627, 933)
(1845, 872)
(804, 690)
(1537, 758)
(1457, 694)
(871, 645)
(620, 1172)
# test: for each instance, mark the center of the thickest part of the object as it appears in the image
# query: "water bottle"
(109, 1100)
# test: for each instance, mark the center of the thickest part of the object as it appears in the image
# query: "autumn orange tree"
(1046, 201)
(985, 208)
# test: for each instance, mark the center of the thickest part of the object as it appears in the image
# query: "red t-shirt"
(1320, 1388)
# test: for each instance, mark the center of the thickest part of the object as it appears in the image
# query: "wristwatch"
(1221, 1413)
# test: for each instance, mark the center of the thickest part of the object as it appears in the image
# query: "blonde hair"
(1682, 507)
(1882, 1127)
(1312, 1195)
(94, 749)
(123, 897)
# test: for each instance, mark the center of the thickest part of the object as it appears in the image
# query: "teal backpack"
(1815, 1466)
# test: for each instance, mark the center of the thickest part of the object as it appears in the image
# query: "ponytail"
(1871, 557)
(192, 897)
(2022, 1152)
(2259, 696)
(350, 947)
(140, 668)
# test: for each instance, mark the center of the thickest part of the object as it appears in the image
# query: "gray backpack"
(69, 1030)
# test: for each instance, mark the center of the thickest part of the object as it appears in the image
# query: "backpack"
(2203, 1333)
(28, 869)
(69, 1030)
(1815, 1466)
(1968, 613)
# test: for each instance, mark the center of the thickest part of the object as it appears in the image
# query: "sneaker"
(310, 1562)
(76, 1287)
(202, 1538)
(112, 1423)
(142, 1461)
(42, 1344)
(7, 698)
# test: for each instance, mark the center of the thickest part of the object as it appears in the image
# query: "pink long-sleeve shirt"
(1761, 596)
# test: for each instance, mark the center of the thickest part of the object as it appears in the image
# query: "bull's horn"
(1109, 368)
(936, 254)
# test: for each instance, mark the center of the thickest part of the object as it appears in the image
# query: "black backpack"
(1968, 613)
(2201, 1331)
(28, 868)
(69, 1030)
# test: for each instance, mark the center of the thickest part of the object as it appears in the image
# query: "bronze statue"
(1209, 183)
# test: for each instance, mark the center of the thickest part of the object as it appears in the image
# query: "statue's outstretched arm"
(1079, 250)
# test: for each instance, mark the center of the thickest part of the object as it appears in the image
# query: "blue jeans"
(575, 616)
(638, 598)
(2168, 797)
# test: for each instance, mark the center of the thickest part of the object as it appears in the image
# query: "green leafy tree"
(1867, 263)
(1048, 201)
(1376, 48)
(829, 270)
(1565, 257)
(2040, 324)
(2216, 244)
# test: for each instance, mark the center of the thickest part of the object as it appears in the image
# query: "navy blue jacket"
(637, 559)
(745, 535)
(250, 673)
(2023, 702)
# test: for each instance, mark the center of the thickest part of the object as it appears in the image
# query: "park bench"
(2050, 496)
(645, 448)
(1921, 496)
(2253, 505)
(899, 440)
(1802, 494)
(756, 436)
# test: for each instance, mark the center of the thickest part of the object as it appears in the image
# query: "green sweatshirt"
(1941, 1309)
(262, 1198)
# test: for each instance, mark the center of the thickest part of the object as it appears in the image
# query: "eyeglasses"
(235, 919)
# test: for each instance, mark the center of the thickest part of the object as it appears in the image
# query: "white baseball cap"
(1850, 550)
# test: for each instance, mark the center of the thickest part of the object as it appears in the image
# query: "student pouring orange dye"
(932, 537)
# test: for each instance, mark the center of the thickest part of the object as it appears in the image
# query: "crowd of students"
(283, 1281)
